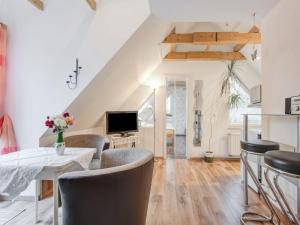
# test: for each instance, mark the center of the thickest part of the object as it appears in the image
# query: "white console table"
(120, 141)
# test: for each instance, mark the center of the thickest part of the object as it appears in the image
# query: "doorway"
(176, 105)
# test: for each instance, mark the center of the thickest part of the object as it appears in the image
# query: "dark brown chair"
(117, 194)
(87, 141)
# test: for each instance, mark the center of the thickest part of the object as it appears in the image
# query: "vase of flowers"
(59, 124)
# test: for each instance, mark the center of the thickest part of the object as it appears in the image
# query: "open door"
(176, 118)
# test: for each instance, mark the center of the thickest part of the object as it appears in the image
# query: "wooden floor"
(184, 192)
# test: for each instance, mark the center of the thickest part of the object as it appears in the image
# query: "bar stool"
(258, 148)
(287, 164)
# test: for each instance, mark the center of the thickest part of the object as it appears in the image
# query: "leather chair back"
(86, 141)
(118, 194)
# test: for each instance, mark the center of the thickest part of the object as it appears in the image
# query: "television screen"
(121, 122)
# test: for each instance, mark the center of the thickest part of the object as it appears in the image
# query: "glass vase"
(60, 143)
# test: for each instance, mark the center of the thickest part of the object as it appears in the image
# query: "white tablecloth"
(18, 169)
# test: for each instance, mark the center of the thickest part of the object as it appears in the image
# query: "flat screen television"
(121, 122)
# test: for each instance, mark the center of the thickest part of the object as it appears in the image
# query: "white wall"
(42, 51)
(120, 78)
(280, 75)
(137, 98)
(211, 75)
(280, 68)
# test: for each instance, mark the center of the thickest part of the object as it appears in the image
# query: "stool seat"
(288, 162)
(259, 146)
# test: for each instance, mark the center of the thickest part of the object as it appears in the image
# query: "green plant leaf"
(234, 101)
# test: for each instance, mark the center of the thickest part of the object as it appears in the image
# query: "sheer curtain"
(3, 35)
(7, 136)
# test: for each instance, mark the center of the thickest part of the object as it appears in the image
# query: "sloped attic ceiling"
(249, 73)
(212, 10)
(124, 77)
(128, 69)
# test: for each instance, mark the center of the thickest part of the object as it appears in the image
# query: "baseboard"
(228, 158)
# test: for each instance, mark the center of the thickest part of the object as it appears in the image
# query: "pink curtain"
(7, 135)
(3, 41)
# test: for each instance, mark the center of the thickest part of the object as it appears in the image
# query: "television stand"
(124, 135)
(129, 141)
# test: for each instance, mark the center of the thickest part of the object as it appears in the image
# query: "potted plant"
(59, 124)
(229, 78)
(234, 100)
(209, 155)
(229, 85)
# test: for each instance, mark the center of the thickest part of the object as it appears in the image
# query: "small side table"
(118, 141)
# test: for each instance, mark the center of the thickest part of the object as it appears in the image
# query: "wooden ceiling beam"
(204, 38)
(179, 39)
(173, 46)
(205, 56)
(238, 38)
(38, 4)
(206, 48)
(239, 47)
(92, 4)
(213, 38)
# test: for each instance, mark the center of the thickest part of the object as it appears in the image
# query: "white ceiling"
(211, 10)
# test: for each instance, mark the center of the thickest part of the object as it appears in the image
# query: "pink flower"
(59, 123)
(49, 123)
(66, 114)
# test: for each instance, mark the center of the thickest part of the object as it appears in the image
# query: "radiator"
(234, 146)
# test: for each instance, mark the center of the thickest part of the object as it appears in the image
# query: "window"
(146, 112)
(236, 113)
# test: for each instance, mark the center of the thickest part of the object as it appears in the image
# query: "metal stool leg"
(245, 179)
(294, 217)
(253, 216)
(259, 173)
(280, 197)
(274, 191)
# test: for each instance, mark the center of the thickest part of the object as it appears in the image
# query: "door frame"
(177, 78)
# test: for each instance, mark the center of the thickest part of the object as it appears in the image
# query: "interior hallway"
(180, 147)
